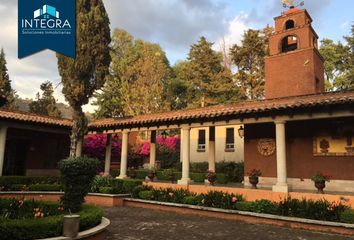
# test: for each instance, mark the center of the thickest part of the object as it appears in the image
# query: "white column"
(211, 154)
(153, 148)
(180, 147)
(281, 185)
(3, 134)
(185, 133)
(108, 155)
(124, 155)
(79, 148)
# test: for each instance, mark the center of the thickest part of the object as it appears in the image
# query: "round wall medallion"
(266, 146)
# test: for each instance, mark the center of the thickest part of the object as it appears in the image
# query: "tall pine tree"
(248, 57)
(211, 83)
(7, 94)
(87, 73)
(45, 104)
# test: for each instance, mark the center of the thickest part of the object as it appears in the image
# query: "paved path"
(137, 224)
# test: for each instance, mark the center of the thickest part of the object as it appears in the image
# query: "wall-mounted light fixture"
(241, 132)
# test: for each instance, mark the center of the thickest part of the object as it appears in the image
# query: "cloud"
(174, 24)
(264, 11)
(234, 34)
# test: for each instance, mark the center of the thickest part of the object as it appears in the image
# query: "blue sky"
(174, 24)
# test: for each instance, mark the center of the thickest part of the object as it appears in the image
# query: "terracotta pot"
(320, 185)
(254, 181)
(151, 176)
(171, 178)
(71, 226)
(212, 180)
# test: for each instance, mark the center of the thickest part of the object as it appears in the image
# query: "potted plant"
(320, 180)
(253, 177)
(151, 173)
(170, 174)
(211, 176)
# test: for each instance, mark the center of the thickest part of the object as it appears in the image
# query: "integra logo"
(46, 20)
(46, 24)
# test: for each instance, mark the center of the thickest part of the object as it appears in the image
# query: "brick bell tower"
(294, 66)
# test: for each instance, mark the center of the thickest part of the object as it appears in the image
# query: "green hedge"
(16, 229)
(46, 187)
(111, 185)
(25, 180)
(197, 177)
(347, 216)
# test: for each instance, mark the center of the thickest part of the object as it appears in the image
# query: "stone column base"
(281, 188)
(122, 177)
(184, 181)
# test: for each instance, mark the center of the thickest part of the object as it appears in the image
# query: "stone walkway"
(137, 224)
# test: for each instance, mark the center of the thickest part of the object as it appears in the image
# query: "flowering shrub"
(171, 143)
(21, 209)
(310, 209)
(95, 146)
(29, 219)
(321, 176)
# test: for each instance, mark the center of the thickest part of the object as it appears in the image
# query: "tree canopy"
(139, 74)
(7, 94)
(45, 104)
(248, 57)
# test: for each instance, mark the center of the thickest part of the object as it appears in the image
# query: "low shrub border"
(48, 226)
(249, 217)
(308, 209)
(99, 199)
(160, 175)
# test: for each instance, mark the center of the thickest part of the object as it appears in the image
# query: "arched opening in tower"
(289, 24)
(289, 43)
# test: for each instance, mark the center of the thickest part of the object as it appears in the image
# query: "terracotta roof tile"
(234, 110)
(34, 118)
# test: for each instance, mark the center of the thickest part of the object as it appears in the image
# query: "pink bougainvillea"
(145, 149)
(95, 146)
(169, 142)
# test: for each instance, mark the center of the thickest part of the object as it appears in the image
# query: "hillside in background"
(66, 112)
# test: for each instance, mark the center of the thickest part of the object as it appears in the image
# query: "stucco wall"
(220, 140)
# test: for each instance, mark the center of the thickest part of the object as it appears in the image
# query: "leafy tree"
(210, 81)
(7, 94)
(177, 89)
(335, 56)
(87, 73)
(347, 82)
(45, 104)
(248, 58)
(139, 74)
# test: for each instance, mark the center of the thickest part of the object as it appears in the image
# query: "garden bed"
(336, 212)
(29, 219)
(249, 217)
(99, 199)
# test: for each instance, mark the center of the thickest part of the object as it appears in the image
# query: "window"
(289, 24)
(201, 141)
(289, 43)
(230, 140)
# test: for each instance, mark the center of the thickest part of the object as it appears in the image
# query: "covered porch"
(281, 138)
(31, 145)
